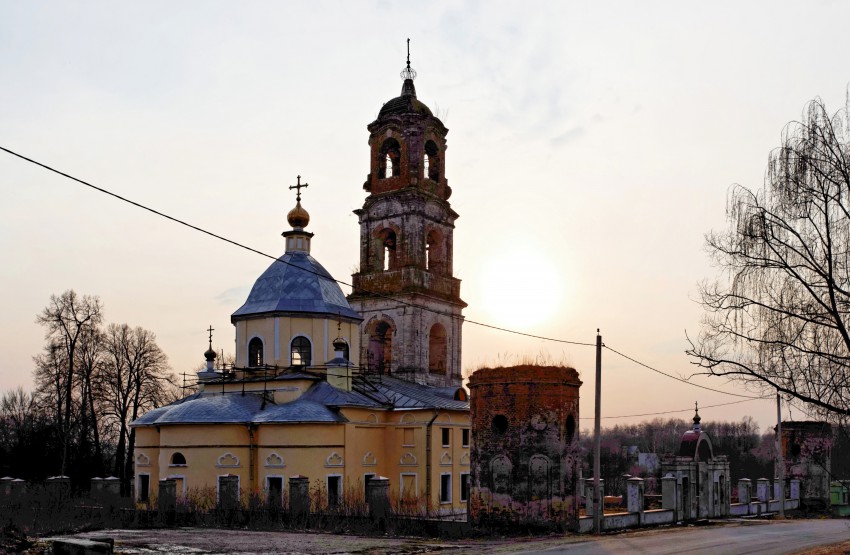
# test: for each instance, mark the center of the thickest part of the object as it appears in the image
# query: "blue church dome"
(297, 283)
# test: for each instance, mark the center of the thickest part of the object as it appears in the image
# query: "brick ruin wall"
(524, 444)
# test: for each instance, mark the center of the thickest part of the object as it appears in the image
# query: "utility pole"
(780, 461)
(598, 506)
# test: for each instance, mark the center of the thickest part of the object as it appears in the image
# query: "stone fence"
(767, 500)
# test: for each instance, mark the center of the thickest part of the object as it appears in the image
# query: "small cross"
(408, 53)
(211, 329)
(696, 406)
(298, 189)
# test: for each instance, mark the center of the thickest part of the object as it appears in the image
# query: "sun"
(521, 292)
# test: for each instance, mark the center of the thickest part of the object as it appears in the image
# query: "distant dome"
(296, 284)
(339, 344)
(209, 354)
(298, 217)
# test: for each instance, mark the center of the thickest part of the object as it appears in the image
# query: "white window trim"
(218, 484)
(468, 437)
(178, 477)
(248, 350)
(468, 489)
(282, 486)
(449, 500)
(449, 444)
(139, 486)
(328, 486)
(312, 348)
(415, 482)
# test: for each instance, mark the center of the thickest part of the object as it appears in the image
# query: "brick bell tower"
(405, 290)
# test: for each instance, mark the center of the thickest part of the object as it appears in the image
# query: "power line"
(276, 259)
(679, 379)
(677, 411)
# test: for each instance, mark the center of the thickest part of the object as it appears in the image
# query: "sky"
(591, 148)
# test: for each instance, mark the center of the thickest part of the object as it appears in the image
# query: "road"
(773, 537)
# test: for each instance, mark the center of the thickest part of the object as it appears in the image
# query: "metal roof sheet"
(296, 282)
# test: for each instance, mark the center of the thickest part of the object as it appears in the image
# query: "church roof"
(296, 283)
(317, 404)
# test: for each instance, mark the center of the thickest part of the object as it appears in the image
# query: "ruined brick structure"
(525, 456)
(406, 227)
(807, 452)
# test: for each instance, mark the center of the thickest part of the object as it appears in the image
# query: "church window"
(389, 158)
(275, 490)
(301, 351)
(177, 459)
(465, 437)
(388, 250)
(445, 488)
(464, 486)
(437, 342)
(379, 355)
(434, 251)
(570, 428)
(334, 490)
(446, 436)
(255, 352)
(500, 423)
(432, 165)
(144, 487)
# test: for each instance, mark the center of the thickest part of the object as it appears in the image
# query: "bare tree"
(136, 378)
(67, 318)
(778, 319)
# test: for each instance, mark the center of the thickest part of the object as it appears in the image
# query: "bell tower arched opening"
(389, 159)
(379, 355)
(431, 162)
(437, 343)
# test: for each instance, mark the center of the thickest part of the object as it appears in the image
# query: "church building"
(294, 403)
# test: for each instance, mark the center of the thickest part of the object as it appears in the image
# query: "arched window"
(255, 352)
(437, 349)
(387, 259)
(434, 253)
(570, 428)
(301, 351)
(389, 159)
(178, 459)
(379, 356)
(432, 162)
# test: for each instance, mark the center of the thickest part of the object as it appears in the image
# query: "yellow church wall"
(276, 346)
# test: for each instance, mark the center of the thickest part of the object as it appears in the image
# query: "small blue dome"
(297, 283)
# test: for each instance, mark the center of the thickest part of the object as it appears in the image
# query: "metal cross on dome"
(211, 329)
(297, 188)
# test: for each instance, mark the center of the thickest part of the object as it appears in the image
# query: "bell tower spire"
(412, 328)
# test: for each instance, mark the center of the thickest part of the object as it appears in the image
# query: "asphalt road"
(774, 537)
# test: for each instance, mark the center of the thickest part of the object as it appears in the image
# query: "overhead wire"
(351, 286)
(276, 259)
(675, 411)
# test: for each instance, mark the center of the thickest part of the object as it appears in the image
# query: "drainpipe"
(428, 440)
(251, 459)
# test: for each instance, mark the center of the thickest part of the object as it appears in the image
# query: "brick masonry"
(524, 444)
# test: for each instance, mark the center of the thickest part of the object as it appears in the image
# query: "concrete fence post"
(58, 488)
(635, 491)
(299, 496)
(745, 490)
(795, 488)
(378, 497)
(778, 489)
(763, 490)
(588, 496)
(668, 494)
